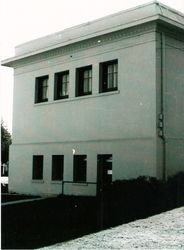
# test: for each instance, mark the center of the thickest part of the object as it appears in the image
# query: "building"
(99, 102)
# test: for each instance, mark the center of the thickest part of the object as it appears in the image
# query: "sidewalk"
(20, 201)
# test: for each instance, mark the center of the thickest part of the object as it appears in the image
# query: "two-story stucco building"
(99, 102)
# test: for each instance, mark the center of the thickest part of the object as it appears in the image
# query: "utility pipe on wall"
(163, 92)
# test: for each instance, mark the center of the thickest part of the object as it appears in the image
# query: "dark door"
(104, 171)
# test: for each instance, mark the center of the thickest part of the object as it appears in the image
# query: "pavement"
(20, 201)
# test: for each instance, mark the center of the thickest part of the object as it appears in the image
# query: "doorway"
(104, 171)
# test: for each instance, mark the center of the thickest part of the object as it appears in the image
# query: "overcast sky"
(24, 20)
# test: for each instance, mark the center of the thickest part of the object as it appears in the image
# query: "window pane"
(64, 91)
(115, 67)
(86, 74)
(44, 89)
(115, 80)
(87, 81)
(110, 69)
(64, 78)
(90, 84)
(86, 86)
(110, 81)
(67, 77)
(90, 73)
(44, 83)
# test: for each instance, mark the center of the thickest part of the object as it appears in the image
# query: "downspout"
(162, 118)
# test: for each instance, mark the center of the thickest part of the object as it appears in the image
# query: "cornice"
(176, 33)
(86, 44)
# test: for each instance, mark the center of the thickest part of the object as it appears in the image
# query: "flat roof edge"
(89, 22)
(118, 21)
(8, 61)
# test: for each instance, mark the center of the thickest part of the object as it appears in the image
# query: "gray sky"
(24, 20)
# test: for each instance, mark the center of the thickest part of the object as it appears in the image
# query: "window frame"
(78, 167)
(80, 81)
(58, 86)
(37, 174)
(103, 76)
(39, 89)
(57, 168)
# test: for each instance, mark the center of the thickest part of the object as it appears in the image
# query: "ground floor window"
(37, 167)
(57, 167)
(79, 168)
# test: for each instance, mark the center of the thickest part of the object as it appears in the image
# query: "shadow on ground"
(45, 222)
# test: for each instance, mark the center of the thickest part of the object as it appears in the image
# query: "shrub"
(126, 200)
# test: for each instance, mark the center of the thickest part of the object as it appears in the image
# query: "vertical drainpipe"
(163, 84)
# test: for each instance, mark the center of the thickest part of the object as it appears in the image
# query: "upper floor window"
(61, 85)
(84, 81)
(109, 76)
(41, 89)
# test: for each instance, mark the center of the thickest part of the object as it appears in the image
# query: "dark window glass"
(84, 81)
(41, 89)
(80, 164)
(37, 167)
(61, 85)
(109, 76)
(57, 167)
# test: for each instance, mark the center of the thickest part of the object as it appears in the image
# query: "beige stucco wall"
(122, 123)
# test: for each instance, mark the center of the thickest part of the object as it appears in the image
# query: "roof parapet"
(118, 21)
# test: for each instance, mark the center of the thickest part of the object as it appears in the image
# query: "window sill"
(37, 181)
(80, 184)
(77, 98)
(41, 101)
(109, 90)
(56, 182)
(61, 97)
(83, 94)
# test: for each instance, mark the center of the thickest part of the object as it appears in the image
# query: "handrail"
(73, 182)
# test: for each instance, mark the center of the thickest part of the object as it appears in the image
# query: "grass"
(45, 222)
